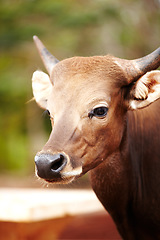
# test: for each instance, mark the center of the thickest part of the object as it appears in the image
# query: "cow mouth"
(60, 180)
(66, 177)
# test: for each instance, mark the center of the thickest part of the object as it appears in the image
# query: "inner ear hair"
(140, 89)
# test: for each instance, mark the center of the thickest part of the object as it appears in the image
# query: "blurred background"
(124, 28)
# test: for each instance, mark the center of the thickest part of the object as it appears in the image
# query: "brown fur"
(121, 150)
(128, 182)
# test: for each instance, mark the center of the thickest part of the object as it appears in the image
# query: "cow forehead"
(77, 96)
(83, 81)
(93, 69)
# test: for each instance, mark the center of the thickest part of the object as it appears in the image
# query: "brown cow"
(90, 101)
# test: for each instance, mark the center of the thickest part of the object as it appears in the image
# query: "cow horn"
(48, 59)
(138, 67)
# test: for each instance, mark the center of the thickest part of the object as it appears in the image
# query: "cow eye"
(48, 112)
(51, 118)
(99, 112)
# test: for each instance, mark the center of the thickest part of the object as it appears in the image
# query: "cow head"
(87, 99)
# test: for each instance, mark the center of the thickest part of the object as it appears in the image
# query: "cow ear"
(41, 86)
(145, 91)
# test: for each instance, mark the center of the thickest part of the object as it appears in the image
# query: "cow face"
(87, 99)
(86, 103)
(79, 104)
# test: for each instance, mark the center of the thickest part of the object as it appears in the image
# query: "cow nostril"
(50, 166)
(58, 163)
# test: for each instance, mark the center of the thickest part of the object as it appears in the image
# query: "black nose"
(49, 166)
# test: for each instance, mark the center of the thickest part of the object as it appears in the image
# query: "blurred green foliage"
(124, 28)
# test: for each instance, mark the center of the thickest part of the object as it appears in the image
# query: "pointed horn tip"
(38, 43)
(35, 38)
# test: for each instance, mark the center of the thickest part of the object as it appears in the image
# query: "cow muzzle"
(55, 168)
